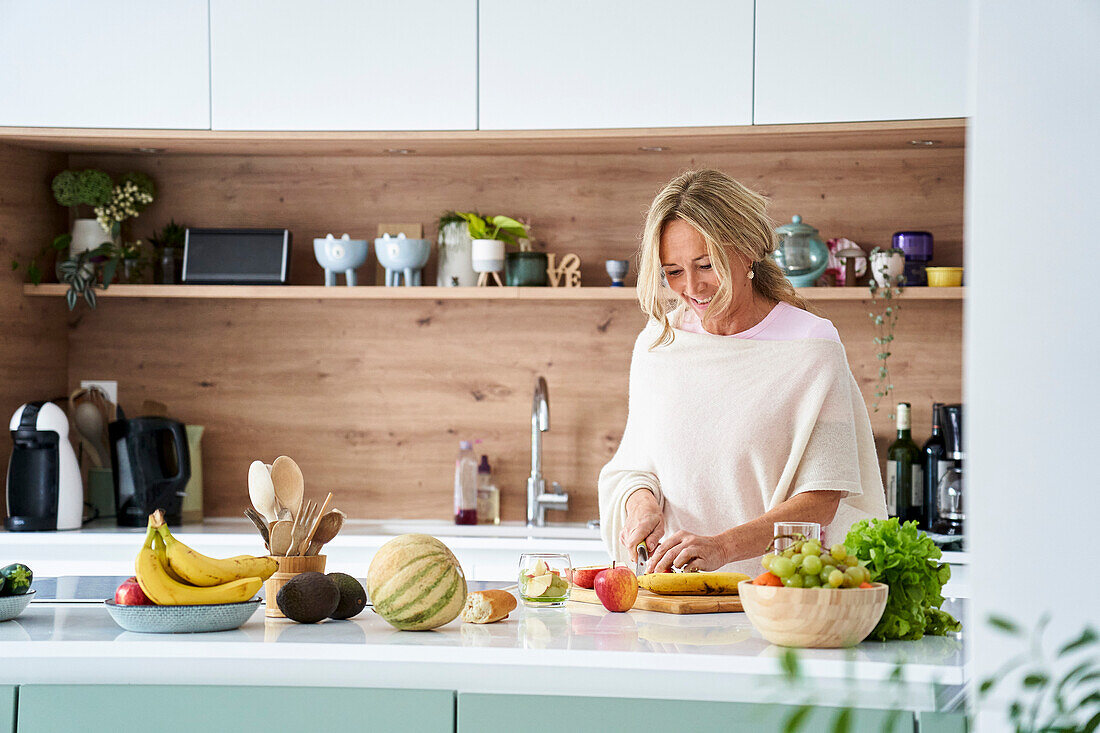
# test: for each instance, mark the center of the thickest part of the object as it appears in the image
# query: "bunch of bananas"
(692, 584)
(172, 574)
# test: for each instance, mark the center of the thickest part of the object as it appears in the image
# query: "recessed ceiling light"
(924, 143)
(653, 148)
(400, 151)
(149, 151)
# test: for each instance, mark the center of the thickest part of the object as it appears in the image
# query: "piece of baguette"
(488, 606)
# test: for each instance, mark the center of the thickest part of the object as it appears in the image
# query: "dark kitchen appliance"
(950, 511)
(152, 467)
(44, 491)
(236, 256)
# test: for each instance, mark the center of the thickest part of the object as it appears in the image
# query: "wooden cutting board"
(648, 601)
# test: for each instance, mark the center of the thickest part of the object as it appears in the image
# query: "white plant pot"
(487, 255)
(887, 267)
(87, 234)
(455, 266)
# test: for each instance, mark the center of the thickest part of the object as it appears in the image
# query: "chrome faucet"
(538, 500)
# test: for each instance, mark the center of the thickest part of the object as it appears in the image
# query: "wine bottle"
(935, 466)
(904, 484)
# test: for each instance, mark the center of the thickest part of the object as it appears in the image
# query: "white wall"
(1032, 322)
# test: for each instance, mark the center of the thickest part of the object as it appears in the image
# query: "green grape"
(823, 576)
(812, 548)
(835, 578)
(828, 560)
(797, 546)
(866, 574)
(797, 559)
(838, 551)
(812, 564)
(766, 561)
(852, 578)
(811, 581)
(794, 581)
(783, 567)
(789, 552)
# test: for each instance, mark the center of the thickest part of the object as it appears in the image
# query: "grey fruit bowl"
(12, 606)
(182, 619)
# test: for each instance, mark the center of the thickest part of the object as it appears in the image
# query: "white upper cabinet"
(104, 63)
(858, 60)
(343, 64)
(573, 64)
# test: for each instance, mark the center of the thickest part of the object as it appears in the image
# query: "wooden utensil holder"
(288, 568)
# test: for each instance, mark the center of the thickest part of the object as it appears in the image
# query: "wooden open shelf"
(945, 133)
(320, 292)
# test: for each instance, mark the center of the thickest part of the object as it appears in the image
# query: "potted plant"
(886, 283)
(168, 253)
(95, 246)
(489, 236)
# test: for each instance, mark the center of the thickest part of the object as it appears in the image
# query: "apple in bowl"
(131, 594)
(584, 577)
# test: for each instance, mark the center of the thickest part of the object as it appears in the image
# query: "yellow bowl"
(944, 277)
(815, 618)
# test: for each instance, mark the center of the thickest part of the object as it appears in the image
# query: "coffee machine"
(949, 511)
(44, 490)
(152, 465)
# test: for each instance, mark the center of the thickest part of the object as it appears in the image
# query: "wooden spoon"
(280, 537)
(289, 483)
(327, 528)
(261, 490)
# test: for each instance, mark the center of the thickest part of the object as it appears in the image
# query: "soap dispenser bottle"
(488, 496)
(466, 485)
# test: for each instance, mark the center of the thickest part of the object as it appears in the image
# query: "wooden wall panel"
(371, 397)
(33, 334)
(593, 205)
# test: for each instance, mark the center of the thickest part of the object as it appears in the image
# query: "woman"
(742, 409)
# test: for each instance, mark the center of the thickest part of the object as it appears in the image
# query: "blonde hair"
(732, 219)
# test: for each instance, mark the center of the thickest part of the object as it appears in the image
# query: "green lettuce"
(906, 559)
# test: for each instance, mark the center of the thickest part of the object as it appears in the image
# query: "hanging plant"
(884, 317)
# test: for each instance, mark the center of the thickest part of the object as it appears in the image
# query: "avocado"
(308, 598)
(352, 596)
(15, 579)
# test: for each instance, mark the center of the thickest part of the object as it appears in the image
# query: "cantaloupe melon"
(416, 583)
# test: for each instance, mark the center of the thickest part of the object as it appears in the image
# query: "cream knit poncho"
(722, 430)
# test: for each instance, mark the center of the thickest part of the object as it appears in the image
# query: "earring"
(752, 273)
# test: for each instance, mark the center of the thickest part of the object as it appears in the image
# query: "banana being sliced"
(692, 584)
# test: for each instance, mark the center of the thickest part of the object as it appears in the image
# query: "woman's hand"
(644, 523)
(688, 551)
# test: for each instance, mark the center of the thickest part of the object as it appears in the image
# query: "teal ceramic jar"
(527, 269)
(801, 254)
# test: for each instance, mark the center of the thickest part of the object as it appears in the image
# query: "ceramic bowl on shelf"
(813, 618)
(182, 619)
(944, 277)
(12, 606)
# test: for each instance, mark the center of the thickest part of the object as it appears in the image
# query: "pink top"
(785, 322)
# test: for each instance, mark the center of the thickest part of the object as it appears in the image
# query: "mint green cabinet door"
(216, 709)
(506, 713)
(7, 709)
(942, 723)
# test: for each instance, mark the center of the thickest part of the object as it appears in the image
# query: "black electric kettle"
(152, 465)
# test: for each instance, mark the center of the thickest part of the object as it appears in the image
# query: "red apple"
(584, 577)
(617, 588)
(130, 594)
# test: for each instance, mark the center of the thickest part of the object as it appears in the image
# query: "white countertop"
(579, 650)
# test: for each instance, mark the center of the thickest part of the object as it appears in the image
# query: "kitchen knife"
(643, 558)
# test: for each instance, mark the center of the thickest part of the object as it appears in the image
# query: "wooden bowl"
(816, 618)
